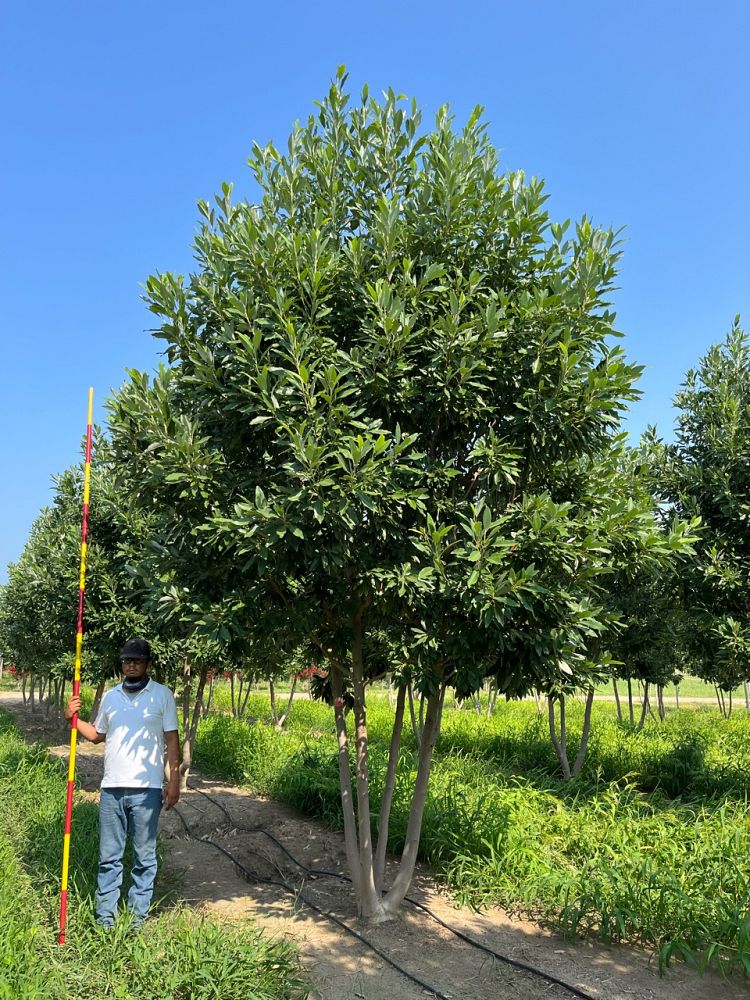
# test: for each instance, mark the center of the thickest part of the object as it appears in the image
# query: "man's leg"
(112, 832)
(144, 807)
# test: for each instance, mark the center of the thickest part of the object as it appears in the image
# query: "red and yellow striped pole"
(77, 673)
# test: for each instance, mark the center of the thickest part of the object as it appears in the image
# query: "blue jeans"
(122, 811)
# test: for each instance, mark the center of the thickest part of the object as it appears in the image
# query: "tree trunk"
(392, 698)
(207, 706)
(370, 906)
(244, 697)
(412, 715)
(186, 684)
(747, 696)
(24, 677)
(98, 695)
(617, 699)
(585, 733)
(388, 788)
(560, 744)
(401, 883)
(630, 701)
(491, 701)
(231, 694)
(660, 702)
(720, 699)
(272, 695)
(729, 713)
(287, 710)
(677, 696)
(644, 708)
(345, 778)
(189, 732)
(31, 693)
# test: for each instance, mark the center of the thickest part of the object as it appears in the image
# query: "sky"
(117, 117)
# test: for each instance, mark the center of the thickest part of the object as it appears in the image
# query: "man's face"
(134, 669)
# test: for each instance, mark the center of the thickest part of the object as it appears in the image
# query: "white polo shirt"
(134, 725)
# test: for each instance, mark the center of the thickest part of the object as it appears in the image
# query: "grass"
(650, 846)
(179, 954)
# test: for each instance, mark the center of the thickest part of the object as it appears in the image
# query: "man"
(136, 719)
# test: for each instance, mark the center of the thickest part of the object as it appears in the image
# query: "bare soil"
(339, 966)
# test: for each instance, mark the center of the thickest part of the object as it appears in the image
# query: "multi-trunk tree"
(706, 473)
(388, 429)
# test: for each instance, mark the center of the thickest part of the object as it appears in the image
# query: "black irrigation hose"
(515, 963)
(253, 878)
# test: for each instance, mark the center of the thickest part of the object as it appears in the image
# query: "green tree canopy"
(706, 473)
(388, 426)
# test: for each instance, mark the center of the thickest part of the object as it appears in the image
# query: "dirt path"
(339, 966)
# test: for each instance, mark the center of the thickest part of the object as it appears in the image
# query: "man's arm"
(84, 728)
(172, 791)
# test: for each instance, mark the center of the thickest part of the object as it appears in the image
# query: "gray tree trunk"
(660, 702)
(559, 743)
(370, 906)
(290, 701)
(491, 701)
(581, 756)
(415, 728)
(345, 777)
(190, 731)
(617, 699)
(207, 706)
(630, 701)
(388, 788)
(720, 699)
(401, 883)
(644, 707)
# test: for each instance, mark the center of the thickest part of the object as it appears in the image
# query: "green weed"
(178, 954)
(651, 845)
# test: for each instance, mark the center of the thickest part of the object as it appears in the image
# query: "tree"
(706, 473)
(38, 605)
(387, 384)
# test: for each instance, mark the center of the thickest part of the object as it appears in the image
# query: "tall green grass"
(179, 954)
(650, 846)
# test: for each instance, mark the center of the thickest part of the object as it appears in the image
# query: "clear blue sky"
(117, 117)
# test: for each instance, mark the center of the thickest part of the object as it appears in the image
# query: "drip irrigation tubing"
(254, 878)
(515, 963)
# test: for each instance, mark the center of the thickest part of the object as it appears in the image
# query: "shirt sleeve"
(170, 713)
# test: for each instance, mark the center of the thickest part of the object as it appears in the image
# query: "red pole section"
(77, 673)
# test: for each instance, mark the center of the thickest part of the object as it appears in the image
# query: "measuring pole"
(77, 672)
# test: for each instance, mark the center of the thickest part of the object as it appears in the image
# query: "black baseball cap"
(135, 649)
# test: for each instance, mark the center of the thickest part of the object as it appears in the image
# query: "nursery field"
(179, 954)
(690, 689)
(649, 846)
